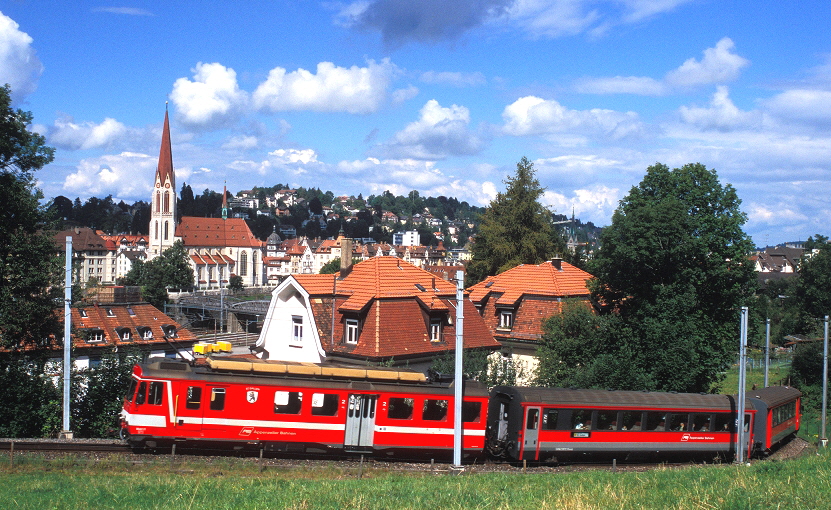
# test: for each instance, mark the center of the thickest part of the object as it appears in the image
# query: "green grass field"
(237, 483)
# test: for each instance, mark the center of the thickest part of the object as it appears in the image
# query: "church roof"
(216, 232)
(164, 171)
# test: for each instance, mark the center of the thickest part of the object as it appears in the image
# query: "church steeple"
(224, 202)
(163, 203)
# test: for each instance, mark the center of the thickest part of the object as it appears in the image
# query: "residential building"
(514, 304)
(380, 310)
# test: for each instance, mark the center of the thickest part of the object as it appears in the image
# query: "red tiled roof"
(144, 316)
(540, 280)
(216, 232)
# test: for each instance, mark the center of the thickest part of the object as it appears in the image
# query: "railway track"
(63, 446)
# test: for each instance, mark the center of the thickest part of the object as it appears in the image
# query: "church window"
(243, 264)
(156, 235)
(165, 230)
(156, 200)
(166, 203)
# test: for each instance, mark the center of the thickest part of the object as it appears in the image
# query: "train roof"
(773, 396)
(330, 376)
(618, 399)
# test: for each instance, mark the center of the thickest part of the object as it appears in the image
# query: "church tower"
(163, 203)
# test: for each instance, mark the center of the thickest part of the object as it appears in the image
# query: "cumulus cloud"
(331, 89)
(802, 105)
(211, 100)
(719, 65)
(295, 162)
(243, 142)
(455, 79)
(19, 64)
(113, 174)
(67, 134)
(430, 21)
(402, 95)
(438, 133)
(595, 203)
(532, 115)
(721, 114)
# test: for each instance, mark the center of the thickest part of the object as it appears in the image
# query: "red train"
(307, 408)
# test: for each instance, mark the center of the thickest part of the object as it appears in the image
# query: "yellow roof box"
(201, 348)
(222, 346)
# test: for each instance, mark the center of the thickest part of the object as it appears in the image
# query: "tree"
(516, 228)
(168, 270)
(235, 283)
(673, 267)
(30, 273)
(813, 288)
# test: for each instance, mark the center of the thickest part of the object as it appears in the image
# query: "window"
(131, 391)
(287, 402)
(297, 329)
(110, 312)
(243, 264)
(142, 393)
(434, 410)
(700, 423)
(194, 397)
(83, 313)
(165, 229)
(145, 332)
(217, 399)
(471, 412)
(169, 331)
(435, 330)
(154, 396)
(95, 335)
(400, 408)
(532, 420)
(506, 319)
(351, 331)
(606, 420)
(131, 312)
(723, 422)
(630, 420)
(655, 421)
(678, 421)
(581, 419)
(324, 404)
(549, 419)
(125, 334)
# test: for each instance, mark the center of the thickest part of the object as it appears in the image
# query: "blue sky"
(441, 96)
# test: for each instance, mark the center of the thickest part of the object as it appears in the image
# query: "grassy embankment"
(237, 483)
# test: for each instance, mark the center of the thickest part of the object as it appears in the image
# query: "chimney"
(345, 256)
(557, 262)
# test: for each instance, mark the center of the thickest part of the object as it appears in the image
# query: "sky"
(439, 96)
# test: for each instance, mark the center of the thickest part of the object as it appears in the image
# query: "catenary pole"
(767, 352)
(457, 381)
(67, 337)
(823, 440)
(742, 388)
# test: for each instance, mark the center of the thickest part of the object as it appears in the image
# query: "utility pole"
(823, 440)
(740, 436)
(767, 351)
(458, 393)
(66, 432)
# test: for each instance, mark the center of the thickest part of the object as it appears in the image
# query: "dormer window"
(124, 334)
(506, 319)
(435, 330)
(110, 312)
(82, 313)
(169, 331)
(95, 336)
(145, 332)
(352, 331)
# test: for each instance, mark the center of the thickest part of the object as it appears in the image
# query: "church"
(217, 247)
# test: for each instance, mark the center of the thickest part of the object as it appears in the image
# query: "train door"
(187, 407)
(213, 409)
(502, 422)
(531, 436)
(360, 422)
(748, 439)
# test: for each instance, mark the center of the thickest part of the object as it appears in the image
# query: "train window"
(324, 404)
(581, 419)
(532, 419)
(678, 421)
(142, 393)
(400, 408)
(606, 420)
(217, 399)
(549, 419)
(701, 423)
(630, 420)
(655, 421)
(722, 422)
(287, 402)
(471, 412)
(131, 391)
(434, 410)
(194, 397)
(154, 397)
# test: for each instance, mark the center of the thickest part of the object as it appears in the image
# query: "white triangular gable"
(289, 311)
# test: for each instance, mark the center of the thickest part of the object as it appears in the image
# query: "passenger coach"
(555, 425)
(296, 407)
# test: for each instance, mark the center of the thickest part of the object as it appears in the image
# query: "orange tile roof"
(529, 279)
(216, 232)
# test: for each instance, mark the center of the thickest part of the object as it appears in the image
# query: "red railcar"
(779, 417)
(556, 425)
(295, 407)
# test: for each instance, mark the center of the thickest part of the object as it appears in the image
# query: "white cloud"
(532, 115)
(438, 133)
(129, 11)
(774, 214)
(640, 85)
(19, 64)
(292, 161)
(455, 79)
(722, 114)
(553, 18)
(595, 203)
(243, 142)
(402, 95)
(113, 174)
(332, 89)
(212, 99)
(803, 105)
(67, 134)
(719, 65)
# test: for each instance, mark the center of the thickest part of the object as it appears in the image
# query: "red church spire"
(164, 171)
